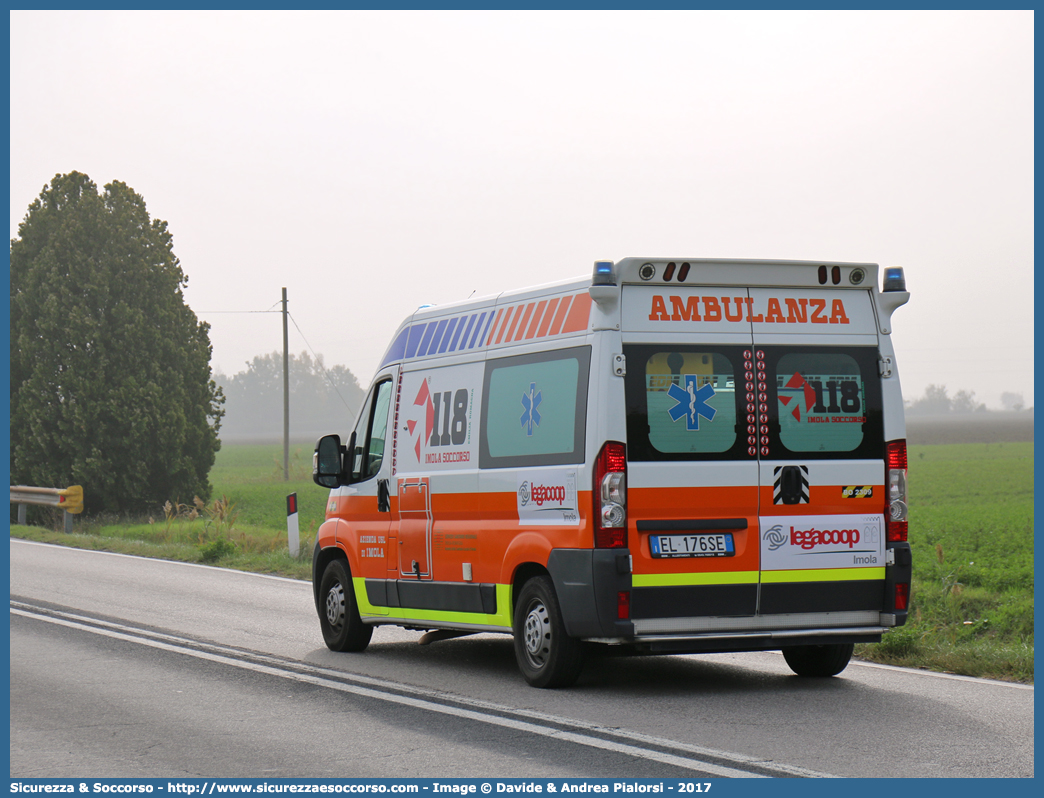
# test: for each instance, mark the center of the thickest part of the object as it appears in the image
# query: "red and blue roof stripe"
(525, 321)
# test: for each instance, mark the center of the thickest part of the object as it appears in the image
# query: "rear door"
(692, 450)
(822, 462)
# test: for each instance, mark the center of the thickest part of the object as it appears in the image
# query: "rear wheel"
(343, 630)
(827, 660)
(546, 655)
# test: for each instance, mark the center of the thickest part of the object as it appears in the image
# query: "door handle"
(793, 485)
(383, 496)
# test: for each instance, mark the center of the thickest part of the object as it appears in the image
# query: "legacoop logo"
(523, 494)
(810, 538)
(775, 537)
(548, 493)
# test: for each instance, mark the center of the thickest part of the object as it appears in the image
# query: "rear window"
(822, 402)
(681, 403)
(773, 402)
(827, 402)
(691, 392)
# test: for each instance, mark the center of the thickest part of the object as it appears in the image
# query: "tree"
(110, 369)
(321, 399)
(1012, 401)
(964, 402)
(935, 400)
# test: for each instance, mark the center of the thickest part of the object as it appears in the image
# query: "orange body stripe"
(825, 500)
(579, 314)
(507, 319)
(545, 325)
(560, 315)
(493, 327)
(525, 320)
(536, 319)
(514, 322)
(658, 504)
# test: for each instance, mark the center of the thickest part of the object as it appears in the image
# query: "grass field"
(971, 531)
(243, 526)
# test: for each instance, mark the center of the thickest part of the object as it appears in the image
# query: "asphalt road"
(123, 667)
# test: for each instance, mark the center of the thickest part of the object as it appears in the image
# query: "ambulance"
(666, 456)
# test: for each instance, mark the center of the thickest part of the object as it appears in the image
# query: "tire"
(818, 660)
(546, 655)
(343, 630)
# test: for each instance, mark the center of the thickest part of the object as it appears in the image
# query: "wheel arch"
(330, 545)
(527, 554)
(522, 574)
(321, 558)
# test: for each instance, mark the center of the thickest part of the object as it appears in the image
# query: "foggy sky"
(371, 162)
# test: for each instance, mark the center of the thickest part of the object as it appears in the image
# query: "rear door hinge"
(884, 366)
(620, 365)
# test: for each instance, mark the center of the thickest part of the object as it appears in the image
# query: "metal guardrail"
(68, 499)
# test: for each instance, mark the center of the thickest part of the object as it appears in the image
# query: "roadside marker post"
(293, 532)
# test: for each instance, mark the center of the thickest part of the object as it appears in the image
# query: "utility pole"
(286, 395)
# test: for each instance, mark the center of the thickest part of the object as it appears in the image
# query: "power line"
(321, 366)
(270, 310)
(318, 361)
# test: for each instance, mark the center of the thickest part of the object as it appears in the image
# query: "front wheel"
(547, 656)
(343, 630)
(818, 660)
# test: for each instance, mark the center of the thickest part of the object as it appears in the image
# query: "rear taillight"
(623, 605)
(896, 510)
(610, 497)
(902, 596)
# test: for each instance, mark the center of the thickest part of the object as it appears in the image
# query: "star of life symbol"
(530, 414)
(692, 402)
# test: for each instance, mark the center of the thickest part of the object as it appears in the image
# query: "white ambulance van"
(668, 456)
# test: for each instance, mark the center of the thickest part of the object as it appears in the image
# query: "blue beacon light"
(603, 273)
(894, 279)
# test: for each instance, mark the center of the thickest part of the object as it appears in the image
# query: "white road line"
(936, 674)
(860, 663)
(431, 701)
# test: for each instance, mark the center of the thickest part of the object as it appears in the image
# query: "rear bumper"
(762, 640)
(691, 618)
(757, 633)
(775, 634)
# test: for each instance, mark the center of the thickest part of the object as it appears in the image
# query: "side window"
(370, 433)
(378, 429)
(534, 409)
(828, 402)
(362, 424)
(682, 403)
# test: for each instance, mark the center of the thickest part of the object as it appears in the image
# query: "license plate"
(716, 545)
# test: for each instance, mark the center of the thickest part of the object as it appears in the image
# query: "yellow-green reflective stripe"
(716, 578)
(824, 575)
(365, 607)
(501, 618)
(751, 577)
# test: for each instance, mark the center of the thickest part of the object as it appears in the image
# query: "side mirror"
(328, 467)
